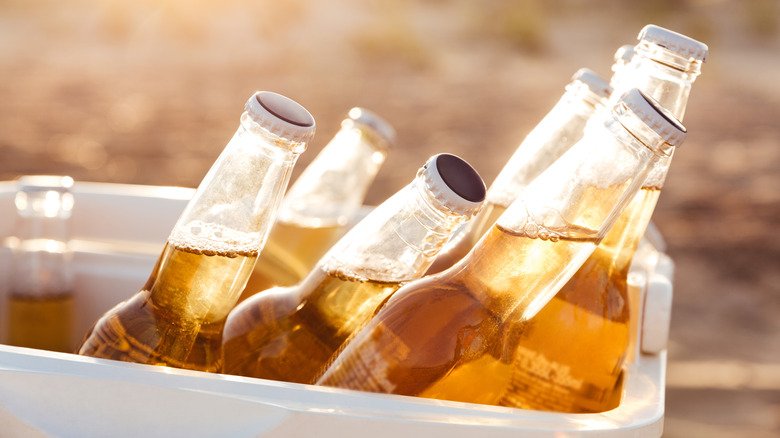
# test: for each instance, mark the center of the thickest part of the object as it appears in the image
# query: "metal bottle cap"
(454, 183)
(281, 116)
(593, 81)
(674, 42)
(624, 54)
(379, 125)
(657, 118)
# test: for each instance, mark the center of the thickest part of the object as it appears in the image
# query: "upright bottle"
(41, 287)
(316, 210)
(177, 317)
(583, 333)
(448, 336)
(552, 137)
(290, 333)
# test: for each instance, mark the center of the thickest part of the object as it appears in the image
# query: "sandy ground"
(140, 95)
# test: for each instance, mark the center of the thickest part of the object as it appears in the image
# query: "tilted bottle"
(592, 311)
(290, 333)
(320, 204)
(177, 317)
(448, 336)
(552, 137)
(40, 299)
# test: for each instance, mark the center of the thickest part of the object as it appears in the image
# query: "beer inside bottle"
(41, 322)
(176, 319)
(569, 357)
(299, 336)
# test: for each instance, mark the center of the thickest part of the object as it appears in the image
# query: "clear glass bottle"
(290, 333)
(177, 317)
(41, 287)
(316, 210)
(552, 137)
(448, 336)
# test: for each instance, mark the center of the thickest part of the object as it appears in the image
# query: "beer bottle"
(449, 336)
(290, 333)
(316, 209)
(591, 312)
(177, 317)
(555, 134)
(41, 286)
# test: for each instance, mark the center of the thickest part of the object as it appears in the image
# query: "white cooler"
(118, 232)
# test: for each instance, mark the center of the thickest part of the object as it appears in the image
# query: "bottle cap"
(674, 42)
(656, 117)
(623, 55)
(593, 81)
(281, 116)
(454, 183)
(379, 125)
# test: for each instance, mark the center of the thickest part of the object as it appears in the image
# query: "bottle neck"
(397, 241)
(663, 75)
(550, 139)
(331, 189)
(214, 245)
(236, 203)
(558, 220)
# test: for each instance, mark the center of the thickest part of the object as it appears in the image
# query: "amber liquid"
(177, 319)
(569, 357)
(291, 251)
(41, 322)
(435, 337)
(291, 333)
(480, 225)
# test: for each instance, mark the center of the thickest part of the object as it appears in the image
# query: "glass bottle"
(316, 210)
(448, 336)
(290, 333)
(552, 137)
(41, 287)
(177, 317)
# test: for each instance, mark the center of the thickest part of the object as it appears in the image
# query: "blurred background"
(150, 91)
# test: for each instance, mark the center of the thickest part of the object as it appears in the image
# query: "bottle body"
(317, 209)
(176, 319)
(40, 300)
(576, 345)
(291, 333)
(163, 326)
